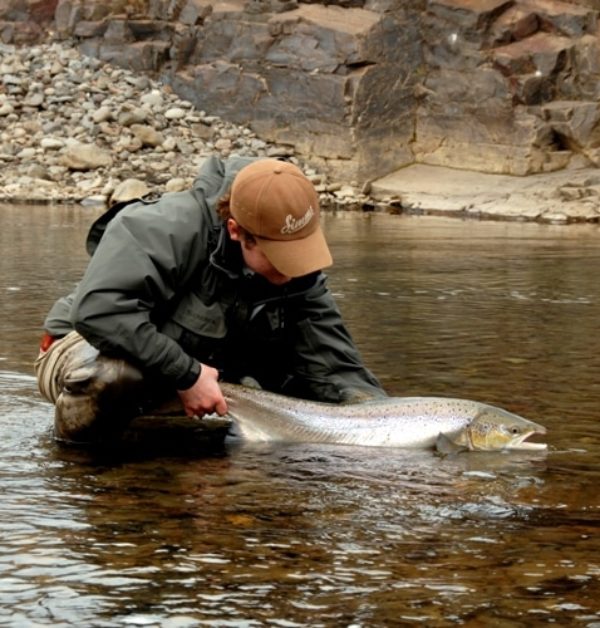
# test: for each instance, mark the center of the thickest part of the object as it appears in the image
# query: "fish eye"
(514, 430)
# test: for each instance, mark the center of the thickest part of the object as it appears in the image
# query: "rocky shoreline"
(74, 130)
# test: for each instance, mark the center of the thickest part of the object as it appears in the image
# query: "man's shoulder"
(216, 176)
(171, 207)
(174, 222)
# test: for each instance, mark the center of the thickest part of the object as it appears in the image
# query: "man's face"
(254, 258)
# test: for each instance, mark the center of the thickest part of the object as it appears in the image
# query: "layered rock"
(511, 87)
(363, 87)
(25, 21)
(335, 83)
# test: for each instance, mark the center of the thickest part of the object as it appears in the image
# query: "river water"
(308, 535)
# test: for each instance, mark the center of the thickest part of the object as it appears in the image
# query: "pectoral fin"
(446, 447)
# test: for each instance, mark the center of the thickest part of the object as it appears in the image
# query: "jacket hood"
(216, 176)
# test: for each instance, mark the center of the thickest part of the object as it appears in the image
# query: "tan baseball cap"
(279, 206)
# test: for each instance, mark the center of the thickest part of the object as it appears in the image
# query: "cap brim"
(295, 258)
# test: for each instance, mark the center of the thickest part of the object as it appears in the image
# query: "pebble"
(51, 143)
(73, 129)
(176, 113)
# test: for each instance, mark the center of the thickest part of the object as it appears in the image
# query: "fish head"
(494, 429)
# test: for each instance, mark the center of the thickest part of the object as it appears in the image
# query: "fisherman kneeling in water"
(223, 280)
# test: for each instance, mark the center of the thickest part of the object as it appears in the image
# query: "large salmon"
(415, 422)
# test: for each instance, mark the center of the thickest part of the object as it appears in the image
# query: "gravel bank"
(73, 129)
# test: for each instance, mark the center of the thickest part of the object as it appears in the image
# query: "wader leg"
(95, 396)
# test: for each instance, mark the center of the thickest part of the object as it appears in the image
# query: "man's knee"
(97, 400)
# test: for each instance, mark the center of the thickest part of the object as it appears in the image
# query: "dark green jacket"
(166, 288)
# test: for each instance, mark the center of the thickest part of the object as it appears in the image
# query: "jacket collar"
(226, 255)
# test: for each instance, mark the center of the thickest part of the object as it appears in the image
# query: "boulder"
(80, 156)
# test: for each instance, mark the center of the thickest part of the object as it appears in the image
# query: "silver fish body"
(410, 422)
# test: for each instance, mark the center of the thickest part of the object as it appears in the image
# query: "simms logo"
(295, 224)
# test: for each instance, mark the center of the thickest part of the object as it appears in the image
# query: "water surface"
(307, 535)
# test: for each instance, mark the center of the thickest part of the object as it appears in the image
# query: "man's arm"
(136, 270)
(327, 360)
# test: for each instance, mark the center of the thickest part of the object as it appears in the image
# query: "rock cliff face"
(362, 87)
(511, 87)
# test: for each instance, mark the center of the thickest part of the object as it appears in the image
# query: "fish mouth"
(522, 444)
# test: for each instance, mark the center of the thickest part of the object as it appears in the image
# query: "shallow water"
(306, 535)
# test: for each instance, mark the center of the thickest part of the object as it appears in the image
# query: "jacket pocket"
(204, 320)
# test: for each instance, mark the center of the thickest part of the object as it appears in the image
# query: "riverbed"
(313, 535)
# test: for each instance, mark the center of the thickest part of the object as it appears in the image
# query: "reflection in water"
(313, 535)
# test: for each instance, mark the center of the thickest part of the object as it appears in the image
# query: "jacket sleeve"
(328, 361)
(58, 320)
(146, 256)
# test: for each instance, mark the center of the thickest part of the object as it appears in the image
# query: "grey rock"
(128, 190)
(52, 143)
(80, 156)
(133, 116)
(175, 113)
(102, 114)
(147, 135)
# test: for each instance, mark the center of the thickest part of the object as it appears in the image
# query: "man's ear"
(234, 230)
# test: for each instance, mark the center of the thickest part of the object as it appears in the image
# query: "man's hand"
(205, 396)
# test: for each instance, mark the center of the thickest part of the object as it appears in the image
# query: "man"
(224, 281)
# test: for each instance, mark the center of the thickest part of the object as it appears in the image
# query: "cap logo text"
(296, 224)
